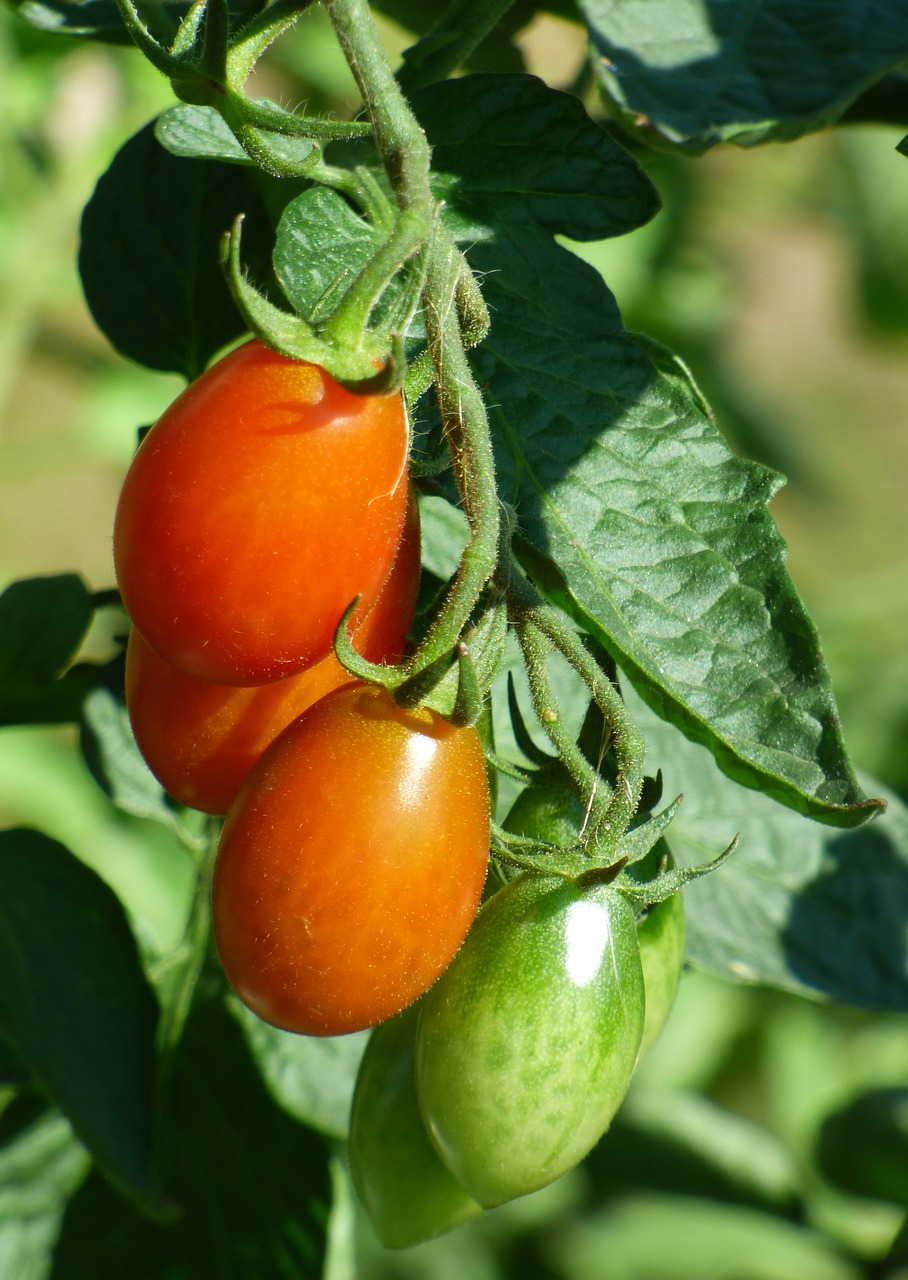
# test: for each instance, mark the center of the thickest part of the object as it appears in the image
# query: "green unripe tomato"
(527, 1042)
(661, 935)
(551, 810)
(409, 1193)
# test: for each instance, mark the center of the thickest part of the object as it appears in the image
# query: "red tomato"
(201, 739)
(352, 863)
(258, 506)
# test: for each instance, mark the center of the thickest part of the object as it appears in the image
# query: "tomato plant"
(351, 864)
(527, 1043)
(201, 739)
(257, 508)
(445, 237)
(410, 1193)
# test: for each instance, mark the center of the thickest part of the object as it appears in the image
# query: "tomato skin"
(256, 508)
(409, 1193)
(351, 864)
(527, 1042)
(200, 739)
(550, 809)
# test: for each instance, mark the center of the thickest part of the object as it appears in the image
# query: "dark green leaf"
(509, 149)
(798, 905)
(201, 133)
(149, 256)
(745, 71)
(12, 1070)
(250, 1185)
(42, 623)
(97, 19)
(676, 1236)
(75, 1004)
(40, 1167)
(115, 761)
(312, 1077)
(100, 19)
(663, 543)
(863, 1147)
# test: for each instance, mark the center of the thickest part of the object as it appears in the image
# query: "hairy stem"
(405, 154)
(609, 814)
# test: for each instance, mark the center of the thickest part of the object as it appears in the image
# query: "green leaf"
(100, 19)
(312, 1077)
(702, 72)
(116, 763)
(508, 149)
(321, 244)
(149, 257)
(96, 19)
(682, 1142)
(75, 1004)
(42, 623)
(201, 133)
(41, 1165)
(863, 1147)
(250, 1185)
(798, 905)
(664, 546)
(677, 1237)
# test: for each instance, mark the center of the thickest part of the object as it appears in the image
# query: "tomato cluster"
(512, 1066)
(353, 854)
(257, 509)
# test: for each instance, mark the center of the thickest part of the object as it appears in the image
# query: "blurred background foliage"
(766, 1136)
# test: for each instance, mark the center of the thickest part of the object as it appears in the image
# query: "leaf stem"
(610, 812)
(405, 154)
(189, 960)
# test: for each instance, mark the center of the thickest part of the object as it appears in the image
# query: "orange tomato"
(263, 501)
(351, 864)
(200, 740)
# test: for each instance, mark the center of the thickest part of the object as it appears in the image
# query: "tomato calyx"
(591, 859)
(453, 685)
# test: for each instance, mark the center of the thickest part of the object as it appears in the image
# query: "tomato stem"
(540, 629)
(405, 154)
(189, 959)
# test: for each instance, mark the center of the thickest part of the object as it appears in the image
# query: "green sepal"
(375, 367)
(636, 843)
(355, 663)
(484, 643)
(670, 881)
(159, 57)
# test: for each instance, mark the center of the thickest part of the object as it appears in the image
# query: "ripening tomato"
(550, 809)
(351, 864)
(263, 501)
(200, 740)
(527, 1042)
(409, 1193)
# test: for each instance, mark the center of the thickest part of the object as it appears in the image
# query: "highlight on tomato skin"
(256, 508)
(200, 739)
(352, 863)
(527, 1043)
